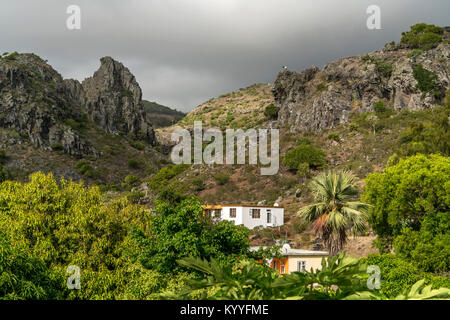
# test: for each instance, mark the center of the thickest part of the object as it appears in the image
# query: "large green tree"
(412, 200)
(336, 210)
(180, 230)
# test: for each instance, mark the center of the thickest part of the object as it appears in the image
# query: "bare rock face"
(114, 101)
(35, 101)
(315, 99)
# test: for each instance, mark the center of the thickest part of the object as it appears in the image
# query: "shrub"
(415, 53)
(137, 145)
(135, 196)
(303, 170)
(57, 146)
(162, 177)
(133, 164)
(198, 184)
(130, 181)
(3, 156)
(304, 141)
(222, 178)
(353, 127)
(423, 36)
(426, 80)
(85, 169)
(322, 86)
(334, 136)
(304, 153)
(379, 107)
(271, 111)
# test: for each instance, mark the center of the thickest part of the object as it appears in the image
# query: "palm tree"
(336, 210)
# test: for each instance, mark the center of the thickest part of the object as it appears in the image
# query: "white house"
(247, 215)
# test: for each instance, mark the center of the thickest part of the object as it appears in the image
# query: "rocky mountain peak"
(114, 101)
(316, 99)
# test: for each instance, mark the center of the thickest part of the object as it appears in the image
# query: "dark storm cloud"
(184, 52)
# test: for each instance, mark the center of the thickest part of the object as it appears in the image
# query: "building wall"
(244, 215)
(311, 261)
(277, 217)
(239, 214)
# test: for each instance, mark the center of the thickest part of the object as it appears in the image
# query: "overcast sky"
(184, 52)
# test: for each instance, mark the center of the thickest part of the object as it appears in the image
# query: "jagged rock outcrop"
(114, 101)
(316, 99)
(35, 101)
(36, 104)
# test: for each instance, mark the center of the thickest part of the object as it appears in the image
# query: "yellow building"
(296, 260)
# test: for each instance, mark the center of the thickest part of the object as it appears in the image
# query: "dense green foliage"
(398, 274)
(123, 251)
(423, 36)
(305, 153)
(411, 210)
(340, 278)
(181, 231)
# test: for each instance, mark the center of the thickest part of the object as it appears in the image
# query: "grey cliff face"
(36, 103)
(35, 100)
(114, 101)
(318, 99)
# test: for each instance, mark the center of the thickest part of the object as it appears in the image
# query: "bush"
(334, 136)
(379, 107)
(222, 178)
(426, 80)
(137, 145)
(57, 146)
(314, 157)
(162, 177)
(198, 184)
(423, 36)
(415, 53)
(133, 164)
(135, 196)
(271, 111)
(3, 156)
(85, 169)
(129, 182)
(322, 86)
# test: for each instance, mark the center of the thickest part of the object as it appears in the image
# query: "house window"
(275, 266)
(232, 212)
(282, 267)
(301, 266)
(208, 213)
(256, 213)
(217, 213)
(269, 216)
